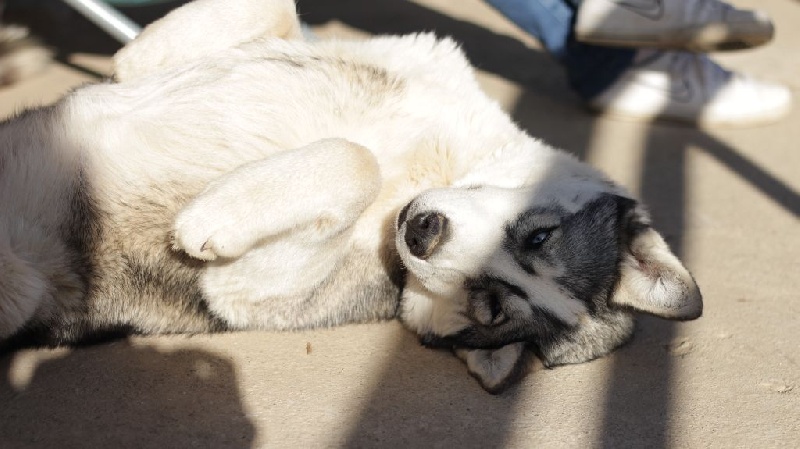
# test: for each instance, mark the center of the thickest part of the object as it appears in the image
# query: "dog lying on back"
(238, 177)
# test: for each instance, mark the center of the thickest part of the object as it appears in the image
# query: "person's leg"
(590, 69)
(646, 84)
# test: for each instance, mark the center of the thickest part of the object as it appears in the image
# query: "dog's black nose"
(424, 232)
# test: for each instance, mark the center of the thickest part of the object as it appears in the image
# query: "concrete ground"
(727, 200)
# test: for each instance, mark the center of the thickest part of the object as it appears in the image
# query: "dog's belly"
(150, 150)
(139, 282)
(135, 280)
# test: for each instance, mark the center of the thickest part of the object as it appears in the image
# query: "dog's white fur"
(274, 160)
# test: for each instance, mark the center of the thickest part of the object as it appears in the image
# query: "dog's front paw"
(208, 231)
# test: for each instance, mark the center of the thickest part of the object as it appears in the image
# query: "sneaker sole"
(704, 38)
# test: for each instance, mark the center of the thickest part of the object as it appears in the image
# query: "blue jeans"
(590, 68)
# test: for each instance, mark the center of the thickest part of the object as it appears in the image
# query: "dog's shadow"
(121, 395)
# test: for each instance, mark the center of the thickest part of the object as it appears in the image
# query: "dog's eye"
(537, 238)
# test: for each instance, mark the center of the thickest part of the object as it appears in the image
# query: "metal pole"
(107, 18)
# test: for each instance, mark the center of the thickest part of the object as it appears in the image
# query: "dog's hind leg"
(22, 289)
(318, 190)
(201, 28)
(34, 267)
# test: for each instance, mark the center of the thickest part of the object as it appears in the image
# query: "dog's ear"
(495, 369)
(652, 279)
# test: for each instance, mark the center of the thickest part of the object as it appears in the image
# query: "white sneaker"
(696, 25)
(691, 88)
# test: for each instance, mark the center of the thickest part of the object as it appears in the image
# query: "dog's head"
(555, 267)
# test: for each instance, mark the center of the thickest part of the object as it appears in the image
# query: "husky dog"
(235, 176)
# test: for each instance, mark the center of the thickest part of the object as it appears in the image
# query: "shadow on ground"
(121, 396)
